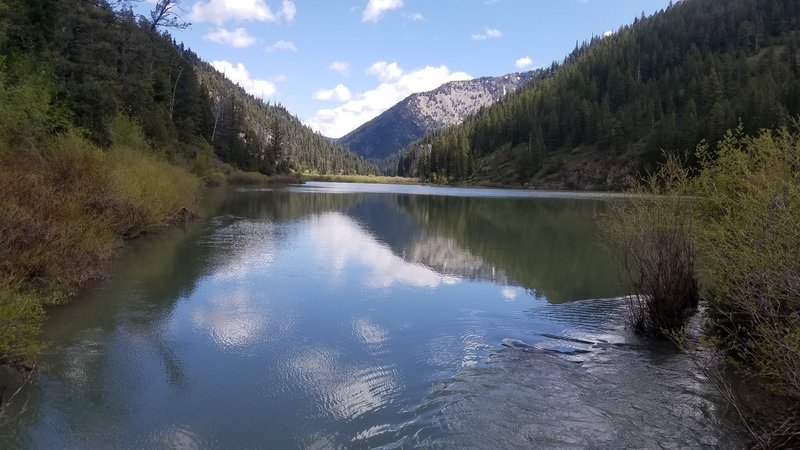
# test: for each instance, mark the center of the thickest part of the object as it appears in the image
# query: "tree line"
(665, 82)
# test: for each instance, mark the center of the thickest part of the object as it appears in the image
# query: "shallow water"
(346, 315)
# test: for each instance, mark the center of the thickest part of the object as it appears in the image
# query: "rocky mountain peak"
(419, 114)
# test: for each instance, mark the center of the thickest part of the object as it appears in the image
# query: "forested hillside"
(617, 103)
(255, 135)
(97, 60)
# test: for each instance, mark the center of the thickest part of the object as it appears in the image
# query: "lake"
(365, 316)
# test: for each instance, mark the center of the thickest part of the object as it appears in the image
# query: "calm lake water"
(361, 316)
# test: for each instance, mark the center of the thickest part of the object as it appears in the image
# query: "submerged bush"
(751, 240)
(650, 236)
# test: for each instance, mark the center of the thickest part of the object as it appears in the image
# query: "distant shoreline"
(374, 179)
(380, 179)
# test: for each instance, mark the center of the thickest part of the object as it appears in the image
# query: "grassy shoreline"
(67, 209)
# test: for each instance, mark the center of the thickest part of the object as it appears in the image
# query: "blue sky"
(338, 63)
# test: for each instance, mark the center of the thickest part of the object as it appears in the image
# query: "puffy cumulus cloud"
(524, 62)
(489, 33)
(282, 45)
(340, 67)
(340, 93)
(608, 33)
(238, 74)
(385, 71)
(222, 11)
(238, 38)
(395, 85)
(377, 8)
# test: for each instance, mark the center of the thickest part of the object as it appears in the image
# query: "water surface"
(331, 315)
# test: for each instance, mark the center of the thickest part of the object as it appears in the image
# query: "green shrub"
(751, 241)
(20, 316)
(214, 179)
(247, 178)
(650, 235)
(146, 192)
(127, 133)
(27, 112)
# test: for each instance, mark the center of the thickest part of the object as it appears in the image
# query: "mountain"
(617, 103)
(434, 110)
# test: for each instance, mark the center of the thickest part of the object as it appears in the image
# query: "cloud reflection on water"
(344, 391)
(340, 242)
(231, 319)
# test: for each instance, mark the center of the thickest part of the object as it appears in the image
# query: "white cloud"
(417, 17)
(282, 45)
(395, 85)
(238, 38)
(222, 11)
(385, 71)
(340, 67)
(340, 93)
(608, 33)
(489, 33)
(289, 10)
(524, 62)
(377, 8)
(238, 74)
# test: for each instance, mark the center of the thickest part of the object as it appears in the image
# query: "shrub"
(48, 242)
(145, 192)
(751, 240)
(64, 210)
(650, 236)
(246, 178)
(127, 133)
(20, 315)
(214, 179)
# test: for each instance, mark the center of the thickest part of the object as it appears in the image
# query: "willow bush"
(750, 210)
(743, 220)
(650, 235)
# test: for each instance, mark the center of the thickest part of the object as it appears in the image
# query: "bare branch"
(166, 15)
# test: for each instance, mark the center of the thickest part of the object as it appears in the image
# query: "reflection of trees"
(281, 205)
(549, 245)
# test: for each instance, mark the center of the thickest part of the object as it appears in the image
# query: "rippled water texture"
(364, 316)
